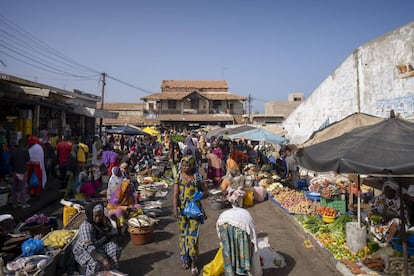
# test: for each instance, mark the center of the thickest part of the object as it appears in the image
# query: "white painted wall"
(367, 81)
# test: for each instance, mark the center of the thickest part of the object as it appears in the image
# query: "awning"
(93, 112)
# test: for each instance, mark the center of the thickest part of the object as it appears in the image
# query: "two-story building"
(187, 104)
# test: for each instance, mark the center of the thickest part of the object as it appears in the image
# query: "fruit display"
(294, 201)
(327, 211)
(59, 238)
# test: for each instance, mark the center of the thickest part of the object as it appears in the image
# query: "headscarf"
(392, 185)
(103, 228)
(33, 140)
(189, 144)
(190, 160)
(114, 180)
(115, 171)
(240, 218)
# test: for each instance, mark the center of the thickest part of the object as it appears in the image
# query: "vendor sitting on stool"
(384, 216)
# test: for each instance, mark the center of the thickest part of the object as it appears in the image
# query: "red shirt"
(63, 149)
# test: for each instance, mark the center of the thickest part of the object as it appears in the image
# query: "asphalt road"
(160, 257)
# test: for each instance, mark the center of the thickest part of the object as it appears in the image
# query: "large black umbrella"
(127, 130)
(388, 145)
(384, 146)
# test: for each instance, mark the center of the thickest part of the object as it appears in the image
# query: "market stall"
(380, 149)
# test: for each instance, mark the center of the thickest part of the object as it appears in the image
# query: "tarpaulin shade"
(260, 134)
(340, 127)
(228, 131)
(387, 145)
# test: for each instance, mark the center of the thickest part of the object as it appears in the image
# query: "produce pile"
(59, 238)
(332, 236)
(294, 201)
(327, 211)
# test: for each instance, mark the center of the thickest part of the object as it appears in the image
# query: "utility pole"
(250, 108)
(102, 103)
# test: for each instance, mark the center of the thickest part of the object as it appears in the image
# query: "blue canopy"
(260, 134)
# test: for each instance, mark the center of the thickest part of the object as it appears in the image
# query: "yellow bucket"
(68, 213)
(80, 196)
(248, 198)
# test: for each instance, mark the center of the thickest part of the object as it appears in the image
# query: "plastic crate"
(337, 204)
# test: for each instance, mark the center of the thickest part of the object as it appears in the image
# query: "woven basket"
(140, 230)
(141, 235)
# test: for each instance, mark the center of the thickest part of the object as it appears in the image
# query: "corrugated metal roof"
(121, 106)
(196, 84)
(180, 95)
(195, 117)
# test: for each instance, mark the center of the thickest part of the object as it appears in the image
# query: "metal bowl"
(217, 205)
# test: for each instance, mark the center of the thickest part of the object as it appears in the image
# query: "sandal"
(185, 266)
(194, 271)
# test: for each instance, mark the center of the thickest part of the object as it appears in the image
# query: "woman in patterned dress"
(186, 185)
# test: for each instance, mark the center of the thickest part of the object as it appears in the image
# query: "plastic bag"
(216, 266)
(33, 181)
(197, 196)
(192, 210)
(32, 247)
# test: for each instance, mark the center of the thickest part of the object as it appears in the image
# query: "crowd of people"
(80, 166)
(195, 160)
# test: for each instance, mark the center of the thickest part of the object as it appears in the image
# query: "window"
(194, 103)
(172, 104)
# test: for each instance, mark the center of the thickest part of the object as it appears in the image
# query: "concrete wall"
(367, 81)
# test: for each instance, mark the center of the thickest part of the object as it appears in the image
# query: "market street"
(161, 256)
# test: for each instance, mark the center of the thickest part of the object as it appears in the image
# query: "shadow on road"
(162, 236)
(145, 263)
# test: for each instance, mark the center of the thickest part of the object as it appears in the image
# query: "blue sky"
(267, 49)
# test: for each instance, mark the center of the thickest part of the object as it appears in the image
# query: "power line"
(45, 54)
(38, 43)
(24, 47)
(40, 62)
(130, 85)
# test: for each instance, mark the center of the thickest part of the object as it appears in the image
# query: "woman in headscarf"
(93, 247)
(237, 233)
(186, 184)
(110, 159)
(385, 212)
(114, 180)
(123, 204)
(231, 164)
(36, 164)
(189, 145)
(203, 148)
